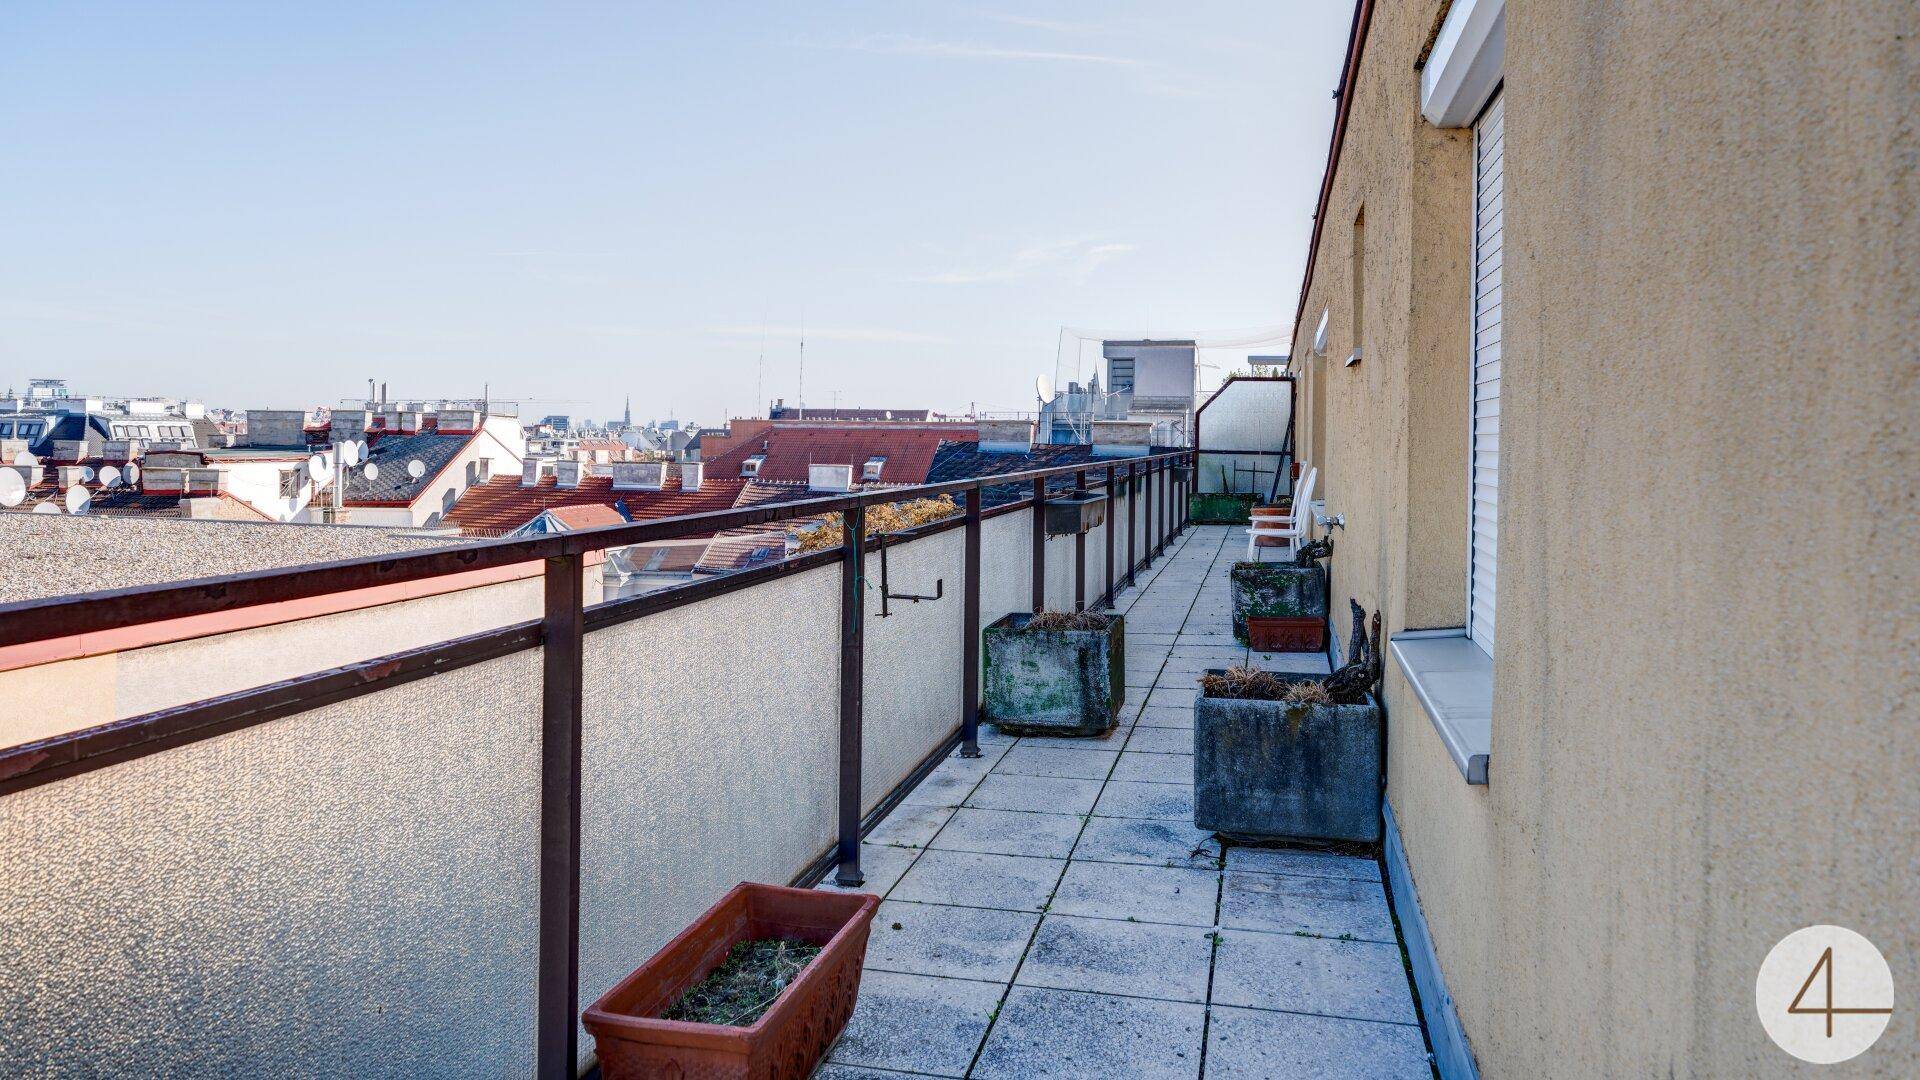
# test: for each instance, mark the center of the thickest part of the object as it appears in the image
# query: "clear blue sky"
(265, 204)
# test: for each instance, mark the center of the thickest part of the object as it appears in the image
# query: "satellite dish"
(132, 473)
(109, 476)
(86, 473)
(416, 468)
(349, 453)
(371, 472)
(317, 465)
(24, 458)
(1043, 387)
(13, 490)
(47, 507)
(77, 500)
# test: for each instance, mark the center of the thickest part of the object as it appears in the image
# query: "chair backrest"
(1303, 494)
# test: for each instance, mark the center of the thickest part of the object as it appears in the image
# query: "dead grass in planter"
(1069, 620)
(881, 518)
(1252, 684)
(745, 984)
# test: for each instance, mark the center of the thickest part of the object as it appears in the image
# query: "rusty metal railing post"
(853, 606)
(970, 628)
(1039, 545)
(557, 993)
(1133, 519)
(1113, 519)
(1080, 551)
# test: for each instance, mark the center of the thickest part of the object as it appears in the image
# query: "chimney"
(532, 469)
(566, 474)
(834, 478)
(1122, 438)
(72, 476)
(1006, 436)
(692, 475)
(640, 475)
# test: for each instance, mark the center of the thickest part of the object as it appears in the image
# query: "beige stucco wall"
(1708, 670)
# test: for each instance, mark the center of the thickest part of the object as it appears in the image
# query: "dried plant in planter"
(1068, 620)
(745, 984)
(881, 518)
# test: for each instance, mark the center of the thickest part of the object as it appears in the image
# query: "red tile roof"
(501, 504)
(791, 447)
(586, 517)
(751, 545)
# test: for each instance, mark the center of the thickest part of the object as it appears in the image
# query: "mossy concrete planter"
(1218, 508)
(1053, 682)
(1277, 591)
(1267, 770)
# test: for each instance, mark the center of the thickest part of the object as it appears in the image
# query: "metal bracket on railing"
(886, 593)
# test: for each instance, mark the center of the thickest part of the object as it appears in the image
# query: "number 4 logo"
(1849, 969)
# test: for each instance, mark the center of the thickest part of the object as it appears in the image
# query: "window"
(1484, 446)
(751, 466)
(29, 431)
(1120, 375)
(5, 430)
(1359, 284)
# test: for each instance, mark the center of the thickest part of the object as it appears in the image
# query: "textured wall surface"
(1700, 741)
(347, 892)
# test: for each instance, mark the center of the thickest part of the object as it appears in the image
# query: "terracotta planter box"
(1282, 634)
(788, 1040)
(1267, 770)
(1278, 591)
(1053, 682)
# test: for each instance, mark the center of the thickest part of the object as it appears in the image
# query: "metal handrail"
(27, 621)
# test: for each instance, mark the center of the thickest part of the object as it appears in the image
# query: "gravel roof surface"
(43, 555)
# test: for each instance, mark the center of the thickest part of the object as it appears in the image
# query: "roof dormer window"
(751, 466)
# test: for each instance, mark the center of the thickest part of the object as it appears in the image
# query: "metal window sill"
(1453, 678)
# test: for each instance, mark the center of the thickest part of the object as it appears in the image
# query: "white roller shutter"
(1487, 200)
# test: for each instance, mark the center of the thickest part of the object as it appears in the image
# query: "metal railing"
(1156, 511)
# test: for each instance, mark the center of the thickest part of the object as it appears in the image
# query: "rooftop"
(502, 503)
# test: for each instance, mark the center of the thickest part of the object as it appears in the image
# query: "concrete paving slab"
(1043, 794)
(1159, 740)
(1121, 798)
(971, 879)
(916, 1023)
(1158, 894)
(1307, 863)
(1360, 980)
(952, 942)
(1245, 1044)
(1075, 764)
(882, 865)
(1146, 842)
(1142, 959)
(910, 825)
(1154, 768)
(1066, 1035)
(1327, 907)
(1010, 832)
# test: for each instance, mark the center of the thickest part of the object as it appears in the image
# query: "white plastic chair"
(1292, 528)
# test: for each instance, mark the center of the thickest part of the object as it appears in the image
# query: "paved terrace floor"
(1049, 910)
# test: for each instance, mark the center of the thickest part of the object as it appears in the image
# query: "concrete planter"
(788, 1040)
(1218, 508)
(1053, 682)
(1277, 591)
(1080, 512)
(1267, 770)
